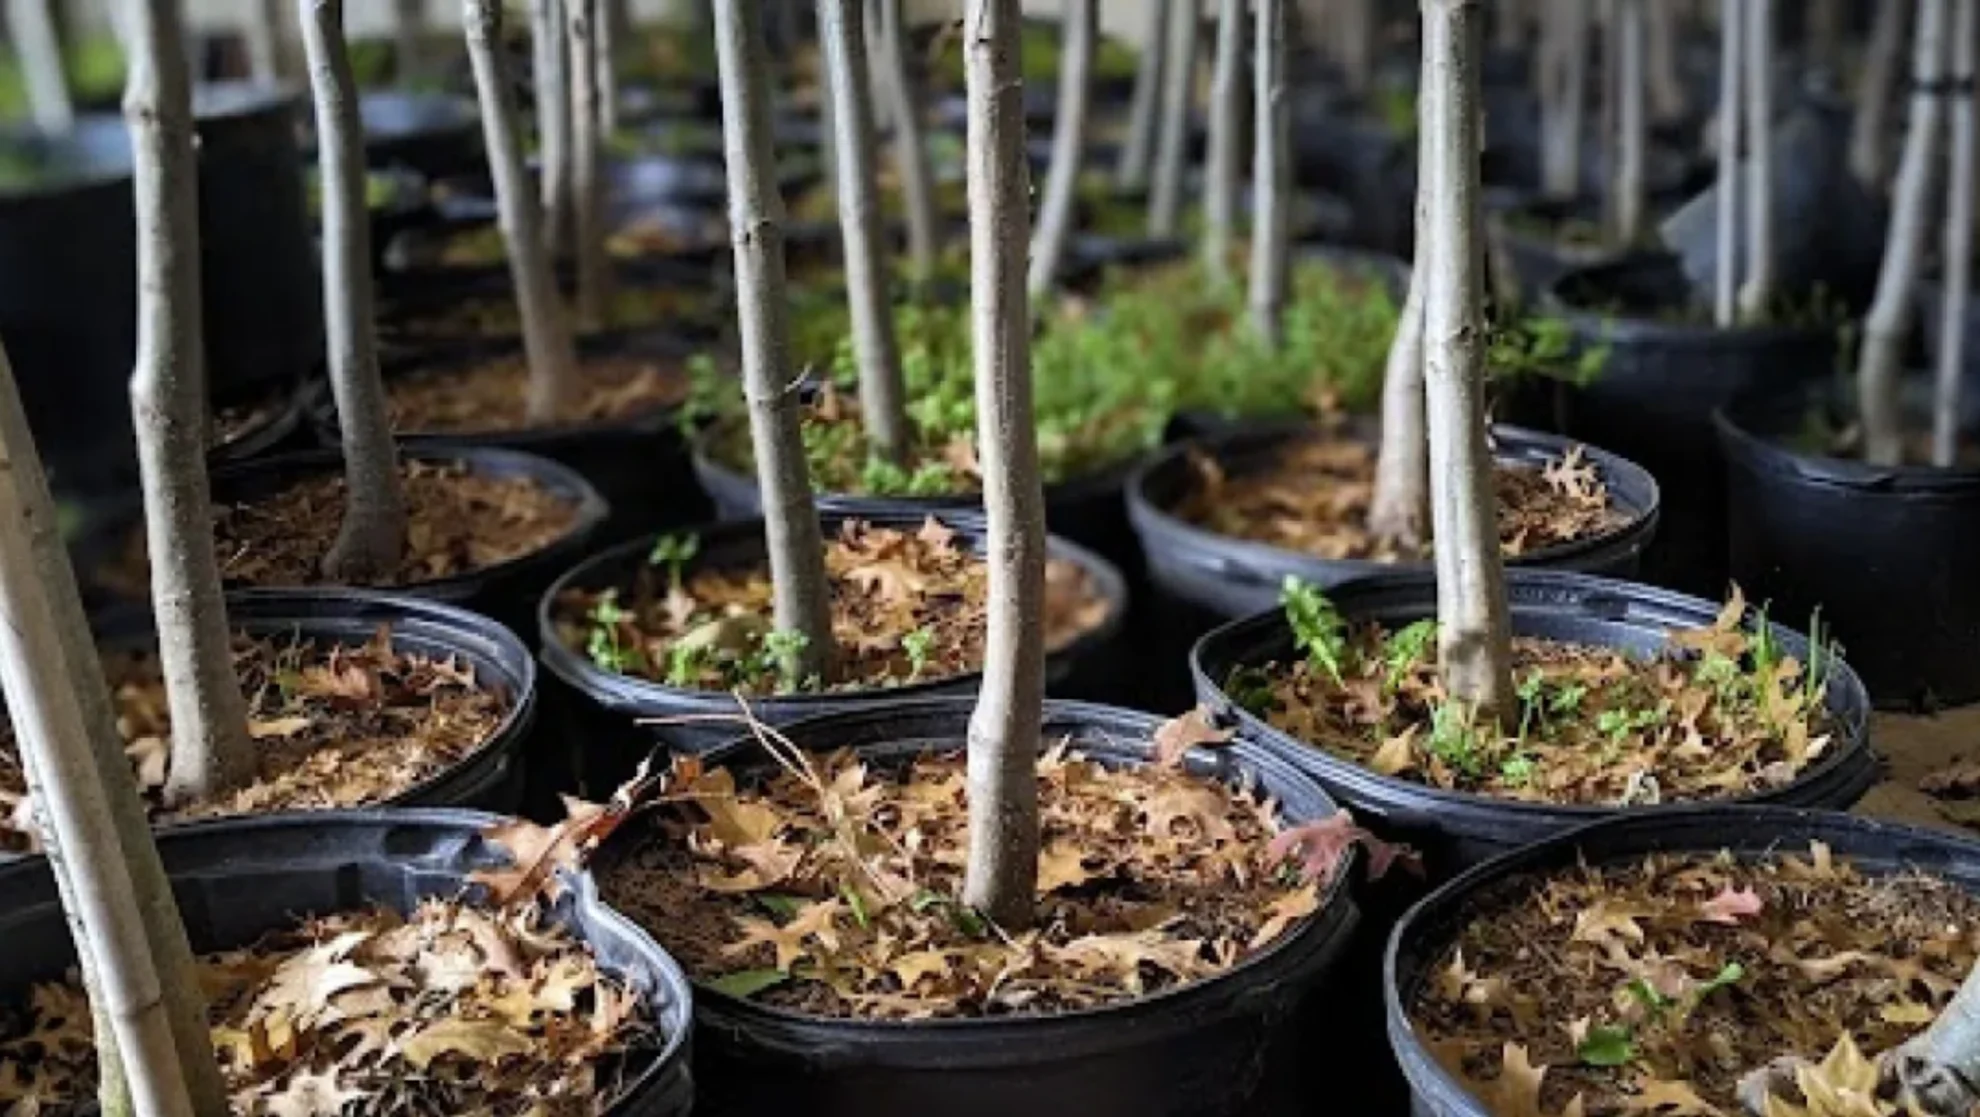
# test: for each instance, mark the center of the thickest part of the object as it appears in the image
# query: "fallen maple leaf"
(1176, 736)
(1730, 906)
(1321, 847)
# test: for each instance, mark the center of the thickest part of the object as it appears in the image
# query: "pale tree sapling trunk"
(1668, 99)
(1137, 158)
(882, 396)
(1757, 292)
(1399, 509)
(409, 41)
(371, 541)
(1220, 172)
(1081, 29)
(1165, 192)
(1563, 96)
(153, 1047)
(800, 593)
(1725, 291)
(910, 152)
(211, 750)
(608, 16)
(1474, 634)
(1868, 145)
(1824, 30)
(1957, 253)
(589, 232)
(1271, 174)
(548, 59)
(266, 46)
(1002, 876)
(547, 344)
(1633, 125)
(1880, 359)
(39, 51)
(1355, 23)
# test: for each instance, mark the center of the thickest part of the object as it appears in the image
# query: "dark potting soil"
(492, 396)
(334, 725)
(630, 306)
(1654, 986)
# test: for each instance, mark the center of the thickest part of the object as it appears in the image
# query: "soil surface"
(631, 306)
(493, 396)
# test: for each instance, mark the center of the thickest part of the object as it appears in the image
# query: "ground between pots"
(492, 396)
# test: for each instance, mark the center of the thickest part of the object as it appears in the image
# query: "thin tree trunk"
(1474, 640)
(1220, 173)
(910, 152)
(1868, 145)
(590, 230)
(1632, 200)
(1150, 79)
(882, 397)
(1165, 196)
(1668, 99)
(409, 41)
(1726, 272)
(607, 16)
(547, 344)
(1957, 254)
(1004, 728)
(1878, 364)
(211, 751)
(549, 56)
(1055, 215)
(267, 41)
(802, 597)
(39, 50)
(372, 538)
(144, 994)
(1824, 30)
(1399, 509)
(1564, 98)
(1509, 27)
(1271, 174)
(1356, 27)
(1757, 293)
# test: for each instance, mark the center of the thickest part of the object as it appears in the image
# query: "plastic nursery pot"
(413, 319)
(1883, 553)
(274, 424)
(1196, 1051)
(639, 464)
(1653, 400)
(237, 880)
(1417, 946)
(607, 708)
(1528, 252)
(1222, 577)
(415, 259)
(1455, 830)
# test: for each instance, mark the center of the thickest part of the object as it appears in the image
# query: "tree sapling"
(1081, 20)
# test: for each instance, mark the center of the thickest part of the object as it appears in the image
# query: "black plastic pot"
(413, 260)
(1416, 948)
(1525, 261)
(1931, 314)
(1224, 577)
(1653, 401)
(1883, 553)
(277, 431)
(1197, 1051)
(436, 134)
(606, 707)
(407, 317)
(1456, 830)
(236, 881)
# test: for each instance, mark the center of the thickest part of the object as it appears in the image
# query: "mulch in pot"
(491, 396)
(1653, 986)
(907, 606)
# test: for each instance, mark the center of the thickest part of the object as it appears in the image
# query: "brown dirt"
(334, 726)
(641, 237)
(632, 306)
(493, 396)
(1938, 752)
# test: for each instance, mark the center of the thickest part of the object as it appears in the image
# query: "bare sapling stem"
(262, 30)
(1356, 22)
(882, 396)
(1869, 145)
(1756, 295)
(1165, 194)
(1880, 360)
(1957, 255)
(1725, 277)
(409, 41)
(1399, 509)
(1632, 197)
(1474, 635)
(1081, 23)
(547, 344)
(1271, 175)
(801, 596)
(548, 56)
(607, 18)
(1137, 158)
(910, 150)
(1668, 99)
(1564, 97)
(590, 232)
(1220, 173)
(38, 49)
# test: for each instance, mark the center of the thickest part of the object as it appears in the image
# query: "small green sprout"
(919, 645)
(1406, 648)
(1318, 628)
(602, 643)
(674, 552)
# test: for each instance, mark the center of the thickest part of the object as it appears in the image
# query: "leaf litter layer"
(1653, 986)
(1313, 497)
(334, 725)
(907, 606)
(1721, 712)
(453, 1009)
(493, 396)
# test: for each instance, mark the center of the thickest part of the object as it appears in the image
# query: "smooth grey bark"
(1633, 124)
(547, 344)
(1957, 251)
(372, 538)
(1165, 192)
(1731, 63)
(1474, 635)
(409, 40)
(607, 16)
(1879, 361)
(549, 61)
(265, 46)
(589, 226)
(150, 1019)
(211, 751)
(1271, 174)
(1757, 293)
(910, 150)
(801, 595)
(882, 396)
(1563, 97)
(1668, 99)
(1399, 509)
(38, 49)
(1137, 156)
(1002, 875)
(1081, 29)
(1220, 172)
(1869, 147)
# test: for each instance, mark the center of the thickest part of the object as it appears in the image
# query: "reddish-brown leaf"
(1730, 906)
(1322, 846)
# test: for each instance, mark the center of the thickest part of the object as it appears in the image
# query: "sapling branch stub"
(1081, 22)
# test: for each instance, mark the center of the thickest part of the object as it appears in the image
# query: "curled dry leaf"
(1176, 736)
(1322, 846)
(1731, 906)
